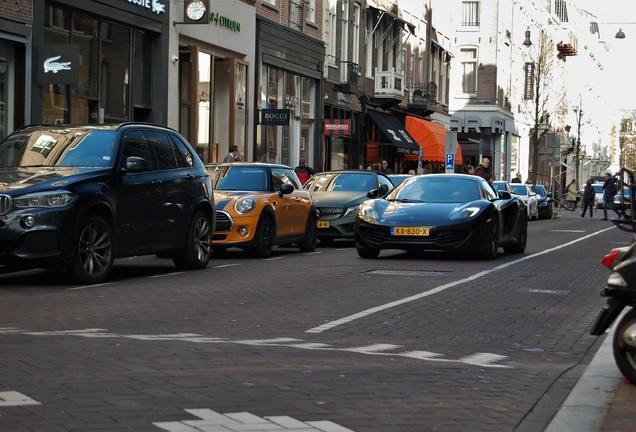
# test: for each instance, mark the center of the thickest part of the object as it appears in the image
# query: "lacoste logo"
(158, 7)
(51, 65)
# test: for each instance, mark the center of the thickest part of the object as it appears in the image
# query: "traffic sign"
(450, 163)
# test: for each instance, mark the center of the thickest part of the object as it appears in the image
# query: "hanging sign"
(58, 64)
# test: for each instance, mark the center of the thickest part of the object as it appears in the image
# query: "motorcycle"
(621, 288)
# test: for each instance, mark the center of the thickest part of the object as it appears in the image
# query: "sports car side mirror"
(285, 189)
(504, 195)
(373, 193)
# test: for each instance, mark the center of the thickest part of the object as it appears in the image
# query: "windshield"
(540, 190)
(240, 178)
(58, 147)
(436, 189)
(344, 182)
(520, 189)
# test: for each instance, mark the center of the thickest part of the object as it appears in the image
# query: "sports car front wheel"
(492, 241)
(367, 252)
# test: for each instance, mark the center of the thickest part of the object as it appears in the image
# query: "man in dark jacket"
(304, 171)
(483, 171)
(609, 192)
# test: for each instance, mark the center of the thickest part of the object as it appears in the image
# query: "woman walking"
(588, 198)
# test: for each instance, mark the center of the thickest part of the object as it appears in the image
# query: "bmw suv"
(77, 197)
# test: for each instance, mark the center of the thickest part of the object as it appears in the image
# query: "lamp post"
(578, 112)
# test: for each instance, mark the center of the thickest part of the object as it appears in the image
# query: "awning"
(395, 132)
(432, 138)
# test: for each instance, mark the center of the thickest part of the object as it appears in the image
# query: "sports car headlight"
(51, 199)
(465, 213)
(245, 205)
(367, 213)
(351, 209)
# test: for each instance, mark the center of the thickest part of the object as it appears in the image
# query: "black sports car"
(452, 212)
(546, 202)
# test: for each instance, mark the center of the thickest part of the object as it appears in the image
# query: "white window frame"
(332, 22)
(344, 27)
(467, 59)
(310, 13)
(355, 51)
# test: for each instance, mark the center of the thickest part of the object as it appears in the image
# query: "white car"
(529, 197)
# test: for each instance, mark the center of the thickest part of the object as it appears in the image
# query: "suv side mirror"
(136, 164)
(285, 189)
(504, 194)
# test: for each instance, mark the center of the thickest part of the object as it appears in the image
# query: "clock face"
(195, 10)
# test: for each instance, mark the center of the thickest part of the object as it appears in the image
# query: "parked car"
(451, 212)
(546, 202)
(77, 197)
(501, 185)
(338, 194)
(259, 206)
(396, 179)
(529, 197)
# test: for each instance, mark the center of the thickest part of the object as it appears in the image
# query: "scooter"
(621, 288)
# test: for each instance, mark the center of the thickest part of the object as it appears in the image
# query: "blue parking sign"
(450, 163)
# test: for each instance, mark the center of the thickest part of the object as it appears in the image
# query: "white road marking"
(14, 398)
(345, 320)
(483, 359)
(167, 274)
(212, 421)
(90, 286)
(225, 265)
(569, 231)
(274, 258)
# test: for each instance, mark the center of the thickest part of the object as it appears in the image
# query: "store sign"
(155, 6)
(338, 127)
(58, 64)
(226, 22)
(275, 117)
(528, 88)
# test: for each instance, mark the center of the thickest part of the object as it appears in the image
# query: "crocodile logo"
(52, 65)
(158, 7)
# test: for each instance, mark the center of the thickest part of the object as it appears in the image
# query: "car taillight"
(609, 259)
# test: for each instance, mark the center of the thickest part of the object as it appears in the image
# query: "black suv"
(77, 197)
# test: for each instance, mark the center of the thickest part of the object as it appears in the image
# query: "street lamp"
(578, 112)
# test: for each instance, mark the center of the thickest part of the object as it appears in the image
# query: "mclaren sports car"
(448, 212)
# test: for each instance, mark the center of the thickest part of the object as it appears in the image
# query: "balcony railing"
(349, 73)
(389, 83)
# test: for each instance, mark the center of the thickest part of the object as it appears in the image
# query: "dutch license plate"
(410, 231)
(323, 224)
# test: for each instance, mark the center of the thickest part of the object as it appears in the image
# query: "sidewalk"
(600, 401)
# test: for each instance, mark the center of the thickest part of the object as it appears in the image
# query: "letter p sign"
(450, 163)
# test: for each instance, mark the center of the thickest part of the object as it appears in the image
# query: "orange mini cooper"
(259, 206)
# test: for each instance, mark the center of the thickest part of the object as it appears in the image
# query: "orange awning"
(432, 138)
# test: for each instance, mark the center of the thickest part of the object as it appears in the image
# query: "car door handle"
(157, 181)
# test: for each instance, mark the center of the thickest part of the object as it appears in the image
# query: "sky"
(621, 64)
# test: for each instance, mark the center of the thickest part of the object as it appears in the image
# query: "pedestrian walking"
(588, 198)
(609, 192)
(384, 168)
(231, 157)
(571, 191)
(483, 170)
(304, 171)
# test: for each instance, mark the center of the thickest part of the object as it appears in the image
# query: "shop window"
(141, 96)
(115, 72)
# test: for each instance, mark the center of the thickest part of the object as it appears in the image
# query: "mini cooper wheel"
(311, 233)
(93, 252)
(623, 346)
(264, 238)
(196, 254)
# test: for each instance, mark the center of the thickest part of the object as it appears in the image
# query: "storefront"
(99, 61)
(15, 48)
(211, 77)
(290, 67)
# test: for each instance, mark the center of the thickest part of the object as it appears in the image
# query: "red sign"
(338, 127)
